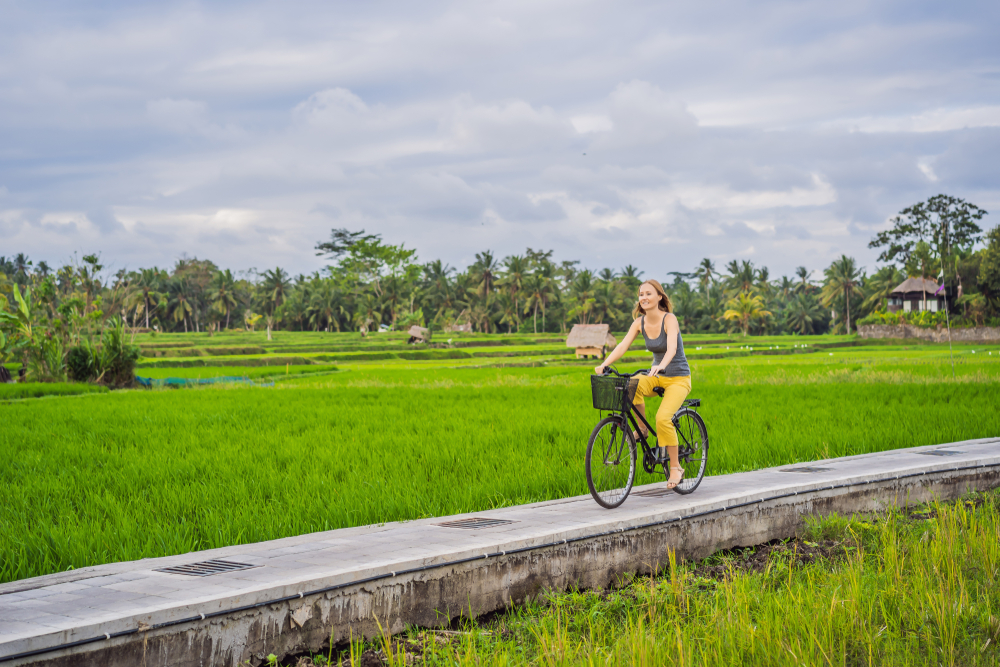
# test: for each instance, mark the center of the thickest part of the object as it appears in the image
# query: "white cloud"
(243, 133)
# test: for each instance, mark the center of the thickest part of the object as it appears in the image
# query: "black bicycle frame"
(632, 414)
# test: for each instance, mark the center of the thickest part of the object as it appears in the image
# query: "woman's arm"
(672, 328)
(621, 348)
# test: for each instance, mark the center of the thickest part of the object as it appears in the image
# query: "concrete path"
(99, 608)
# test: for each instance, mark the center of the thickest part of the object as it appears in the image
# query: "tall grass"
(149, 473)
(899, 590)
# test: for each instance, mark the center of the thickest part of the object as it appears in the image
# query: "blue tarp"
(189, 382)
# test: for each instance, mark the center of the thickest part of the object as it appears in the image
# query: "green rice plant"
(139, 474)
(22, 390)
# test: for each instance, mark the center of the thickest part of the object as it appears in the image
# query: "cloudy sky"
(651, 133)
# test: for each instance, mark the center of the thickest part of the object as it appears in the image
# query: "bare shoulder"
(636, 324)
(671, 321)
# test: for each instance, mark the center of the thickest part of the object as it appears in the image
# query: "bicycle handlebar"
(608, 370)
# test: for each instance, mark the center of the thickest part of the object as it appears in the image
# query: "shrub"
(81, 363)
(116, 361)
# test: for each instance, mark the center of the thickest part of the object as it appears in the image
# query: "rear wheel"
(692, 443)
(610, 462)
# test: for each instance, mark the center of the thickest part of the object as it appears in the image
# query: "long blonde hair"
(664, 302)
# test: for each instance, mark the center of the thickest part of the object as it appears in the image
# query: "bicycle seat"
(658, 391)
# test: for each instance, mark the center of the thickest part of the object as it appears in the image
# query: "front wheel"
(610, 462)
(692, 443)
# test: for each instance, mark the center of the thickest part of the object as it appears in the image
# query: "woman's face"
(648, 298)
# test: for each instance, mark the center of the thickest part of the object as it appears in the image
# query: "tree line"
(370, 284)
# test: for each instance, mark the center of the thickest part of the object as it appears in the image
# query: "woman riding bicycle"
(655, 319)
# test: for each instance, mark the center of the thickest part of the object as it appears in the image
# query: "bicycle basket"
(612, 393)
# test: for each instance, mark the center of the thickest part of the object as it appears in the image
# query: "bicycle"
(613, 445)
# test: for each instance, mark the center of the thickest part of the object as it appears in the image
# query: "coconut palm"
(742, 277)
(608, 302)
(484, 274)
(805, 285)
(880, 286)
(515, 273)
(538, 293)
(582, 293)
(179, 303)
(801, 313)
(367, 312)
(705, 273)
(631, 277)
(325, 304)
(222, 293)
(438, 288)
(843, 280)
(745, 308)
(147, 292)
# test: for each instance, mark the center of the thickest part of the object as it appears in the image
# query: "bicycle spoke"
(610, 464)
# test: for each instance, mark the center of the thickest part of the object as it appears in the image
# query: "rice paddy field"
(334, 430)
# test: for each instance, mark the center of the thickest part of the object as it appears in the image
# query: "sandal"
(672, 484)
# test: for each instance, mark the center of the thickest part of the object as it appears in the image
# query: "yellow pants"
(675, 390)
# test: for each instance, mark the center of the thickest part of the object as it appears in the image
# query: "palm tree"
(147, 292)
(484, 274)
(22, 268)
(438, 287)
(508, 312)
(801, 312)
(843, 279)
(180, 302)
(742, 277)
(275, 286)
(515, 271)
(631, 277)
(705, 273)
(880, 286)
(744, 308)
(393, 297)
(368, 311)
(582, 291)
(538, 291)
(324, 305)
(223, 293)
(607, 302)
(805, 285)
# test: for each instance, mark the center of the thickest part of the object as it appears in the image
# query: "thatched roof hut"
(915, 294)
(419, 334)
(591, 339)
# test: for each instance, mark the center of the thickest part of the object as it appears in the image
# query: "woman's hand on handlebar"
(599, 370)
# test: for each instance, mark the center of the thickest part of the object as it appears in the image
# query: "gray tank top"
(678, 366)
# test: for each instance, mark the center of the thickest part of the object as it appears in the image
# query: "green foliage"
(989, 269)
(22, 390)
(913, 586)
(945, 223)
(923, 318)
(81, 362)
(102, 486)
(117, 356)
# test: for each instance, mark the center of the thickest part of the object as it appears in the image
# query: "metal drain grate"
(654, 493)
(805, 469)
(474, 523)
(206, 568)
(940, 452)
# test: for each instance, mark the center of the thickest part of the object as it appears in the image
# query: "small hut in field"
(591, 340)
(916, 294)
(419, 335)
